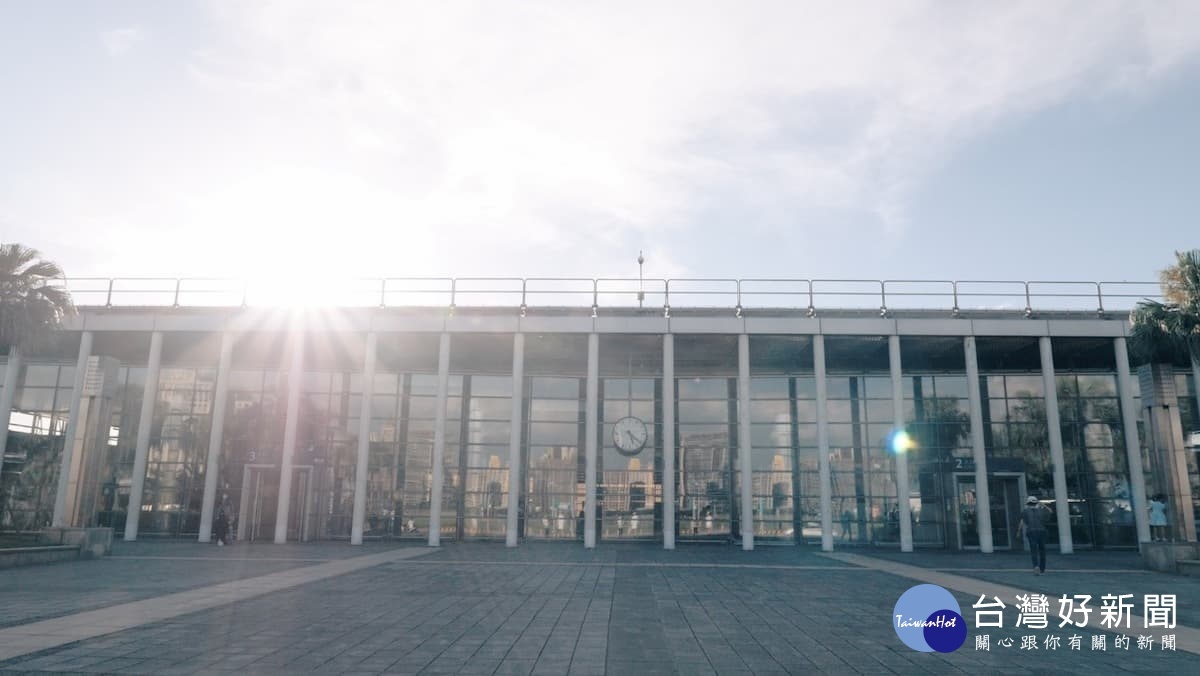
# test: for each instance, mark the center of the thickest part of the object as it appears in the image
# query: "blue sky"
(761, 139)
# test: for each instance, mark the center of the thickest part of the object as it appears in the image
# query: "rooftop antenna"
(641, 282)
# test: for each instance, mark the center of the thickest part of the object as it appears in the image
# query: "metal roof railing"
(810, 295)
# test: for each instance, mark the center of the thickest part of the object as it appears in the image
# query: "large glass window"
(327, 448)
(937, 415)
(707, 414)
(1095, 460)
(862, 470)
(116, 466)
(484, 460)
(629, 493)
(629, 462)
(1014, 427)
(783, 429)
(252, 439)
(174, 488)
(554, 487)
(35, 440)
(400, 477)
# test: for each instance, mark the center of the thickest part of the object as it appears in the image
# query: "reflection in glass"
(706, 484)
(629, 481)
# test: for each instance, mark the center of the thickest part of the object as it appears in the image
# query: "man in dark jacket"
(1033, 524)
(221, 527)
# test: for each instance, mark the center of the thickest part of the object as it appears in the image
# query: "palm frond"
(14, 256)
(31, 305)
(42, 270)
(1180, 283)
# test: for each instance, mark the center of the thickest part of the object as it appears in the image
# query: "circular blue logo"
(927, 618)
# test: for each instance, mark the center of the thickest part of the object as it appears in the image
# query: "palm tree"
(30, 305)
(1165, 330)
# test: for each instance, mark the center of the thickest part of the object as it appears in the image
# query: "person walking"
(221, 527)
(1033, 524)
(1158, 517)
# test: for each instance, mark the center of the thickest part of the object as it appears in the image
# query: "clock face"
(629, 435)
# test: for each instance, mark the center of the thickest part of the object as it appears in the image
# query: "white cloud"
(120, 40)
(506, 138)
(634, 118)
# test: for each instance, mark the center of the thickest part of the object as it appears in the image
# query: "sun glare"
(902, 442)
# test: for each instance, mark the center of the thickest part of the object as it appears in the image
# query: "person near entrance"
(221, 527)
(1158, 517)
(1033, 524)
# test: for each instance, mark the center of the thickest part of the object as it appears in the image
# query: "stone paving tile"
(41, 592)
(1107, 573)
(559, 609)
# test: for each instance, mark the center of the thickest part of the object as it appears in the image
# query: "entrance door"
(260, 502)
(300, 508)
(260, 498)
(966, 511)
(1004, 492)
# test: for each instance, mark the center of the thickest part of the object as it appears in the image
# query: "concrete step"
(11, 557)
(1191, 568)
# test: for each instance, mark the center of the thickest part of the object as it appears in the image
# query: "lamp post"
(641, 281)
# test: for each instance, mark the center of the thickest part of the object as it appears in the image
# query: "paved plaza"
(181, 607)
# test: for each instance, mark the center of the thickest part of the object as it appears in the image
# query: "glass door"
(299, 508)
(1003, 498)
(260, 496)
(1001, 527)
(967, 511)
(260, 503)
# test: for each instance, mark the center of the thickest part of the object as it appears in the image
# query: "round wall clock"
(629, 435)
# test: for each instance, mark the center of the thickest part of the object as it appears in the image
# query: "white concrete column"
(364, 441)
(745, 459)
(295, 375)
(823, 444)
(592, 422)
(514, 440)
(142, 450)
(12, 370)
(668, 441)
(215, 437)
(1062, 505)
(983, 504)
(1133, 445)
(74, 421)
(903, 489)
(439, 443)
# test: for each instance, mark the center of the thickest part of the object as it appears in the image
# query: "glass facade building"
(480, 425)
